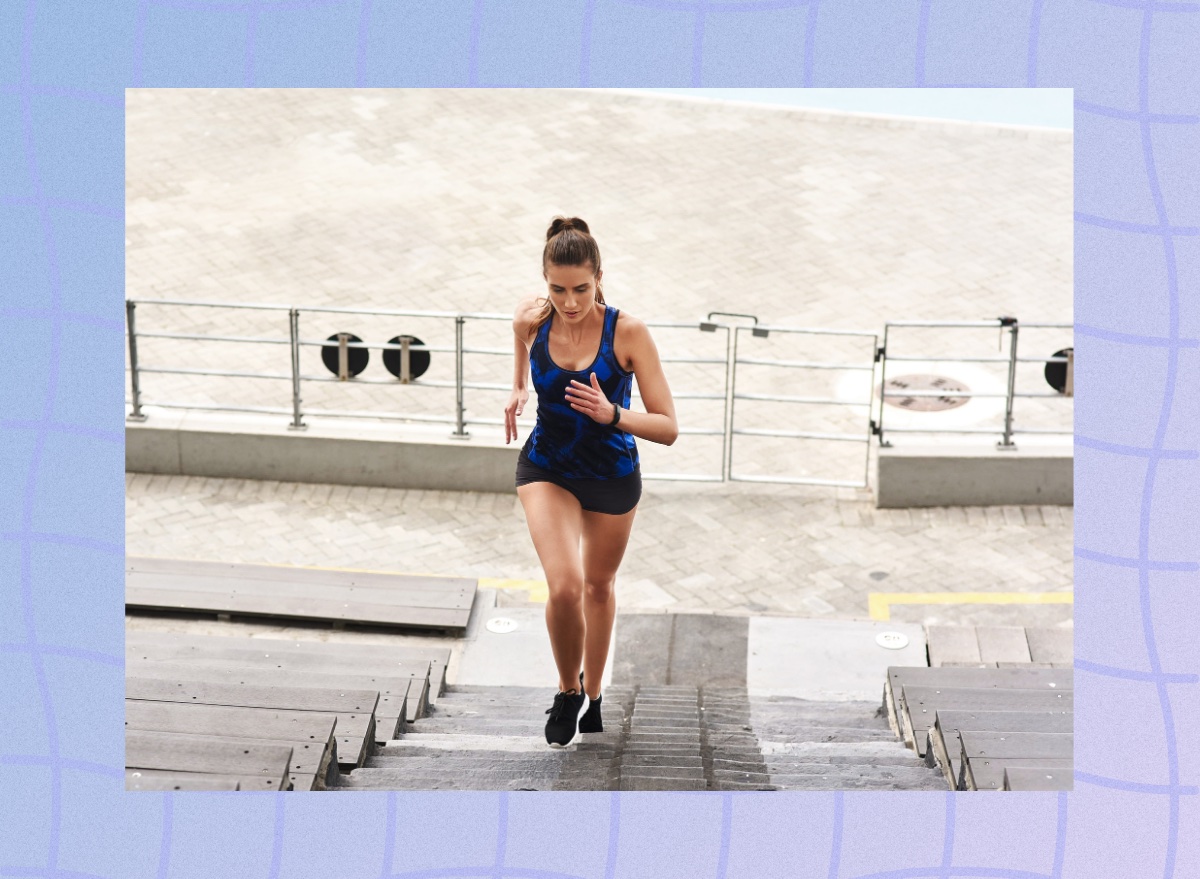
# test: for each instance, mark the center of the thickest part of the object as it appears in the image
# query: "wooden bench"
(226, 588)
(311, 735)
(999, 646)
(922, 704)
(1025, 777)
(985, 754)
(145, 779)
(942, 746)
(355, 709)
(393, 692)
(425, 665)
(183, 753)
(984, 678)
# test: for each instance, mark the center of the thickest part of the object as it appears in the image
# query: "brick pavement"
(438, 199)
(729, 548)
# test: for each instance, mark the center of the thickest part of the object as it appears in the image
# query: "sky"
(1042, 107)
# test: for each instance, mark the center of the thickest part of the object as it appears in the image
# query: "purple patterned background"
(63, 67)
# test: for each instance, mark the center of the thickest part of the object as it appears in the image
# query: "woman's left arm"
(657, 423)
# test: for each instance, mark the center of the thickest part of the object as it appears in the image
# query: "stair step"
(815, 733)
(678, 761)
(516, 745)
(827, 750)
(648, 783)
(817, 782)
(857, 771)
(472, 782)
(726, 784)
(551, 761)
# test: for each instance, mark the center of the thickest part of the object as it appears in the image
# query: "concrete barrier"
(194, 443)
(263, 447)
(974, 475)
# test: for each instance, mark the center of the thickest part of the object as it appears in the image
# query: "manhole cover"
(501, 625)
(895, 387)
(892, 640)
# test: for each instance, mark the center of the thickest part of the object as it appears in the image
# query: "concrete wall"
(255, 447)
(404, 456)
(942, 475)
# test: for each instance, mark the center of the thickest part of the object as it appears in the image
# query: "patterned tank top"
(569, 442)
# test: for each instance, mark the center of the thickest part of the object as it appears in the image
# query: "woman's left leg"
(605, 537)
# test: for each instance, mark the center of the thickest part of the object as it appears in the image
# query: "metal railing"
(459, 423)
(1013, 326)
(865, 438)
(460, 349)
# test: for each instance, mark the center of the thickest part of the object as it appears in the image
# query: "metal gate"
(857, 353)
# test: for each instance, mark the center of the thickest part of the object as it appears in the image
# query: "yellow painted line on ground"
(537, 589)
(879, 603)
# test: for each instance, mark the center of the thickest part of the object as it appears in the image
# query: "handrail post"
(460, 410)
(731, 394)
(137, 414)
(870, 426)
(881, 357)
(1007, 444)
(294, 345)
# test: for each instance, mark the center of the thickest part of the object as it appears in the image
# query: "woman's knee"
(598, 588)
(565, 588)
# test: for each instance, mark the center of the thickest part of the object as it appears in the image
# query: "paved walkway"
(438, 199)
(739, 548)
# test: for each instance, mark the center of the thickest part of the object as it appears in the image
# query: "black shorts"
(613, 496)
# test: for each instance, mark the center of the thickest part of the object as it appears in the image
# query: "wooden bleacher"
(340, 597)
(987, 718)
(1000, 646)
(207, 712)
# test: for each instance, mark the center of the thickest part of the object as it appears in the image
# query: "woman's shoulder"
(527, 311)
(629, 335)
(628, 327)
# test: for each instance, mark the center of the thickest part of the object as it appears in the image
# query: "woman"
(578, 475)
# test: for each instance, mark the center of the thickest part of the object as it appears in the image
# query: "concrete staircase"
(655, 738)
(784, 743)
(493, 738)
(664, 750)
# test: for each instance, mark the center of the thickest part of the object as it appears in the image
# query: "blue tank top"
(569, 442)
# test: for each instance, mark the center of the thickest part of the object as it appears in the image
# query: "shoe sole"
(575, 738)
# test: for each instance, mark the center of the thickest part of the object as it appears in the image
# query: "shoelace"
(559, 707)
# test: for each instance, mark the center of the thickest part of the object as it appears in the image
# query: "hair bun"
(562, 224)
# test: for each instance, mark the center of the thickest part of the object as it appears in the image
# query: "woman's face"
(572, 290)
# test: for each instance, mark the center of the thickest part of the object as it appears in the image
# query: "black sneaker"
(591, 722)
(562, 728)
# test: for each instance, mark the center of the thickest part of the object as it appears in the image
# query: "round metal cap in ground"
(895, 388)
(501, 625)
(892, 640)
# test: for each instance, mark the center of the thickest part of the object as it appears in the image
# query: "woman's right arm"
(522, 322)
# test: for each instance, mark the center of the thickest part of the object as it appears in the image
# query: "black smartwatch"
(616, 415)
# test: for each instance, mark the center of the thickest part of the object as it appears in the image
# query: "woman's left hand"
(590, 400)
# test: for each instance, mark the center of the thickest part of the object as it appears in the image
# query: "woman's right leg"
(555, 522)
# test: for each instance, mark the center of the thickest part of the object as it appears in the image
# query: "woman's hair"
(569, 243)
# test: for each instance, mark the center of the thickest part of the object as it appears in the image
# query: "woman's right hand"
(516, 405)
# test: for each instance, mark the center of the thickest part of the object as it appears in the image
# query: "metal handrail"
(1002, 323)
(729, 395)
(295, 342)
